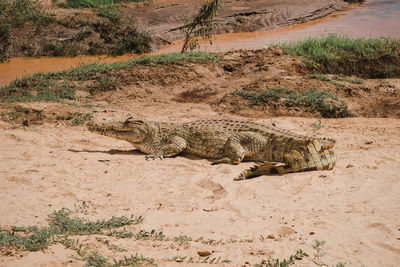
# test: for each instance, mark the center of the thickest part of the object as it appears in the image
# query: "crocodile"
(274, 150)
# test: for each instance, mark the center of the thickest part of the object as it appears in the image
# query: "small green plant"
(120, 234)
(319, 253)
(153, 234)
(133, 260)
(201, 26)
(317, 125)
(182, 239)
(284, 263)
(110, 246)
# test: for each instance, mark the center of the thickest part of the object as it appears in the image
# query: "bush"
(131, 40)
(4, 39)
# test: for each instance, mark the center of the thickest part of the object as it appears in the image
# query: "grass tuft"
(94, 3)
(111, 12)
(285, 262)
(334, 80)
(371, 58)
(324, 102)
(76, 118)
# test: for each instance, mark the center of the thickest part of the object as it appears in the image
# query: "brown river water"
(372, 19)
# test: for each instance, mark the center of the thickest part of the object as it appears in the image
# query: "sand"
(354, 207)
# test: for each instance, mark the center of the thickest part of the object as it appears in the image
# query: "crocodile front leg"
(171, 147)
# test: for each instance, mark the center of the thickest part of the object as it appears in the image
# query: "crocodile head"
(134, 131)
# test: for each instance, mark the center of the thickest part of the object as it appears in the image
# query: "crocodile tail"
(313, 156)
(327, 143)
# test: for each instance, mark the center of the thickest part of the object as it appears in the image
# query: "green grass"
(84, 3)
(94, 3)
(111, 12)
(271, 262)
(22, 115)
(60, 223)
(76, 118)
(327, 104)
(335, 79)
(372, 58)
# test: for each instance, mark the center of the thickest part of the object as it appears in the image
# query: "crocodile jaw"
(118, 132)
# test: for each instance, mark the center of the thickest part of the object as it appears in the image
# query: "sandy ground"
(354, 207)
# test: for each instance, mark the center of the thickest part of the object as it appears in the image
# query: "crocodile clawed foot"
(155, 155)
(222, 161)
(261, 169)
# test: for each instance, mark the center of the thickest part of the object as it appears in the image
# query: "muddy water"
(374, 18)
(18, 67)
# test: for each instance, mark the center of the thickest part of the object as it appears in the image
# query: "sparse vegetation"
(200, 27)
(23, 115)
(64, 228)
(319, 253)
(335, 79)
(111, 12)
(324, 102)
(372, 58)
(76, 118)
(283, 263)
(60, 223)
(93, 3)
(317, 125)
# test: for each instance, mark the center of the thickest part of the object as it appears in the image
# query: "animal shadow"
(111, 151)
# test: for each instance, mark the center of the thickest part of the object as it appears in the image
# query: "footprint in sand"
(384, 231)
(217, 189)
